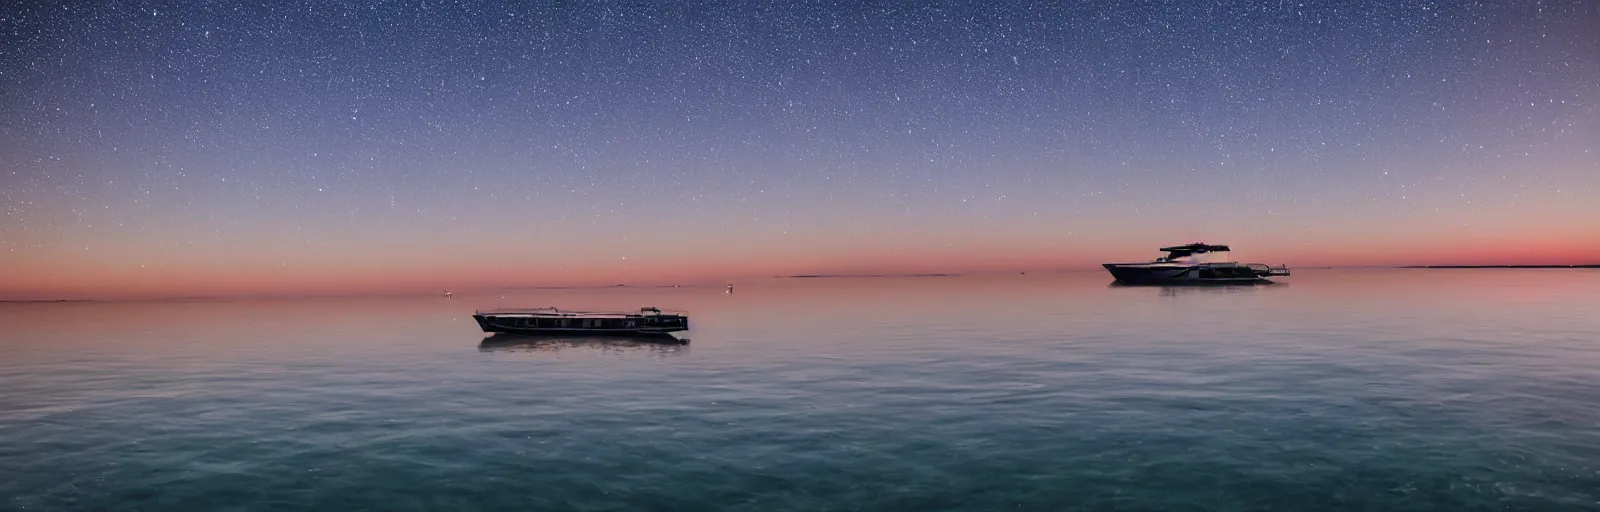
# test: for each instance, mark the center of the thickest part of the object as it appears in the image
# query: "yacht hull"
(1141, 273)
(553, 322)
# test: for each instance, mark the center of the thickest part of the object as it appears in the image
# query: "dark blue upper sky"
(151, 125)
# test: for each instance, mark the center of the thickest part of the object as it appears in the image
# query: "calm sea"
(1336, 390)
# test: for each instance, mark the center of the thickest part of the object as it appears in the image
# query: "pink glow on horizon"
(39, 279)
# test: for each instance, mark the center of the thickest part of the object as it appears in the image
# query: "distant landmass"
(55, 300)
(824, 276)
(1595, 265)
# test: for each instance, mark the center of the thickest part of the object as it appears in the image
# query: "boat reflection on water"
(1193, 288)
(659, 345)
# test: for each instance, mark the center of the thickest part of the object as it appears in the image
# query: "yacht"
(1194, 264)
(648, 321)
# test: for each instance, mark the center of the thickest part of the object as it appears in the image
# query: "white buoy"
(730, 287)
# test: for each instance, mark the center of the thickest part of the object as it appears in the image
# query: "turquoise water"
(1339, 390)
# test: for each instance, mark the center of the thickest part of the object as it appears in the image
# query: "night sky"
(205, 147)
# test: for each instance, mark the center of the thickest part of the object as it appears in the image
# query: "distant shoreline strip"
(839, 276)
(1595, 265)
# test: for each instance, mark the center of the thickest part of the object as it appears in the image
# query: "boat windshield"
(1194, 256)
(1176, 256)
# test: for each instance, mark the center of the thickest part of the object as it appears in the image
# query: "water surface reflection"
(611, 345)
(1359, 389)
(1179, 289)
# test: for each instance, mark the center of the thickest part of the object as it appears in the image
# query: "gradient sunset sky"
(210, 147)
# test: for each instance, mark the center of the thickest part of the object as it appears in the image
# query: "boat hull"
(1182, 274)
(493, 324)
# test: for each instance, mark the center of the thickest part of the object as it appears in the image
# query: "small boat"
(1196, 263)
(648, 321)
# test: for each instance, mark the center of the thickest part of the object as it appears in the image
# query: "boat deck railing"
(1281, 270)
(554, 312)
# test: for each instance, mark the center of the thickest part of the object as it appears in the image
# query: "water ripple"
(1044, 395)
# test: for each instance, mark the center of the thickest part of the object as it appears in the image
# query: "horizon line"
(702, 284)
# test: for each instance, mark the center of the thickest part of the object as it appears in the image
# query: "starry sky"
(213, 147)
